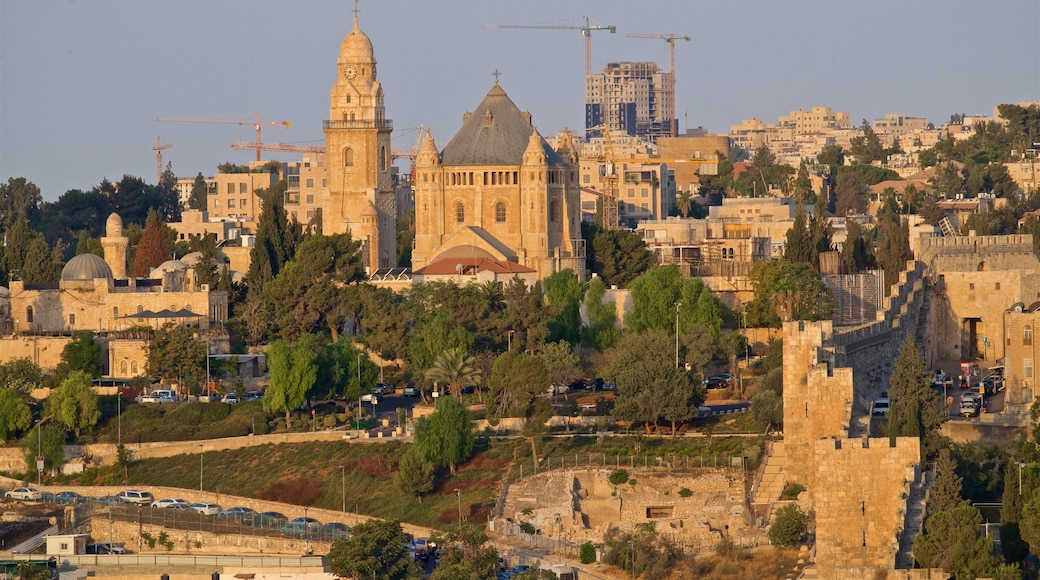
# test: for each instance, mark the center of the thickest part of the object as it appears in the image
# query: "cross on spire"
(356, 10)
(496, 74)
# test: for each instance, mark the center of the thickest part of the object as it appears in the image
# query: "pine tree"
(275, 240)
(946, 488)
(199, 191)
(40, 267)
(414, 476)
(153, 249)
(916, 408)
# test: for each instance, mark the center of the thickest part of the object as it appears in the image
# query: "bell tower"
(357, 155)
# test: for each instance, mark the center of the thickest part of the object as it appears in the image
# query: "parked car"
(384, 388)
(232, 398)
(555, 389)
(370, 398)
(881, 406)
(135, 496)
(170, 502)
(717, 382)
(305, 522)
(106, 500)
(270, 519)
(410, 391)
(206, 509)
(67, 497)
(969, 409)
(47, 497)
(940, 378)
(24, 494)
(253, 396)
(239, 513)
(160, 396)
(993, 383)
(105, 548)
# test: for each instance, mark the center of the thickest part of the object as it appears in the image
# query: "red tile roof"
(448, 266)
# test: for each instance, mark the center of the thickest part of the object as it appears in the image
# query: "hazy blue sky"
(81, 82)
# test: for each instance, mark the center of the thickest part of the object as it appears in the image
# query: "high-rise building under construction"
(634, 98)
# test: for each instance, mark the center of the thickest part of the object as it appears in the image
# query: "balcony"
(380, 124)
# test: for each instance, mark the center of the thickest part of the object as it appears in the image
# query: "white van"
(160, 396)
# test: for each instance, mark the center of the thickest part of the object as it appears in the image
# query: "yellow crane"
(257, 124)
(670, 39)
(159, 148)
(586, 31)
(608, 175)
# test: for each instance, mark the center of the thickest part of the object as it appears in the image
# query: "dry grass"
(764, 563)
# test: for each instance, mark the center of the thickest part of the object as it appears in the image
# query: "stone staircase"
(913, 523)
(772, 482)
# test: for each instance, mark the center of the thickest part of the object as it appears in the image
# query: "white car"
(370, 398)
(170, 502)
(206, 509)
(231, 398)
(160, 396)
(881, 406)
(24, 494)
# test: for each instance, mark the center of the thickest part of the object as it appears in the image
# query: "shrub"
(618, 477)
(685, 492)
(587, 553)
(792, 490)
(297, 491)
(527, 527)
(788, 527)
(148, 539)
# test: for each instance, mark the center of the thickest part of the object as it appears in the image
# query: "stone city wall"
(861, 489)
(45, 351)
(968, 253)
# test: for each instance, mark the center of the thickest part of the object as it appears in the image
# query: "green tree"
(789, 525)
(849, 193)
(48, 442)
(153, 249)
(563, 296)
(945, 493)
(854, 250)
(601, 331)
(445, 437)
(199, 191)
(19, 201)
(14, 413)
(174, 352)
(294, 370)
(517, 379)
(374, 549)
(560, 362)
(767, 407)
(21, 374)
(867, 147)
(275, 240)
(454, 368)
(618, 256)
(951, 541)
(74, 404)
(414, 475)
(82, 353)
(787, 291)
(916, 408)
(40, 266)
(802, 184)
(893, 249)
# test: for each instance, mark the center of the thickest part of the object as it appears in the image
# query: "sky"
(82, 82)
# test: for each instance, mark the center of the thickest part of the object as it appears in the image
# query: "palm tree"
(455, 368)
(684, 203)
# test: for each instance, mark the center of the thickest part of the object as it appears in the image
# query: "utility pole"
(677, 305)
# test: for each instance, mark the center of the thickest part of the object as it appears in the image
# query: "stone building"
(95, 294)
(631, 97)
(498, 192)
(362, 200)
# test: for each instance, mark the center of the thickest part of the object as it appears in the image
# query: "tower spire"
(356, 10)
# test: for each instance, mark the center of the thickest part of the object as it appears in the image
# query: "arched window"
(460, 213)
(28, 314)
(122, 367)
(348, 157)
(133, 368)
(500, 212)
(115, 312)
(554, 211)
(386, 159)
(1027, 336)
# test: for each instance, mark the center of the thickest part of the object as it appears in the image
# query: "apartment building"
(898, 125)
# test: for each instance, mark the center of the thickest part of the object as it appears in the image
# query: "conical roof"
(356, 46)
(496, 133)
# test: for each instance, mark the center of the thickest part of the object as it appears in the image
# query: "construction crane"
(586, 31)
(285, 147)
(257, 124)
(159, 148)
(609, 177)
(670, 39)
(412, 153)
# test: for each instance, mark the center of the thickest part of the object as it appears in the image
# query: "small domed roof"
(114, 226)
(168, 266)
(356, 47)
(86, 267)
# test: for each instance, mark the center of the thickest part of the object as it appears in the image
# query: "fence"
(648, 462)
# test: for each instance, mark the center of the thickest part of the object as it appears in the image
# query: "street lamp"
(509, 340)
(677, 305)
(458, 493)
(39, 455)
(343, 474)
(201, 456)
(1020, 466)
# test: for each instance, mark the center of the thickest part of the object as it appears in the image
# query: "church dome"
(86, 267)
(114, 226)
(356, 46)
(168, 266)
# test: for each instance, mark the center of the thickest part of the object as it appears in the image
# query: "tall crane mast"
(285, 147)
(670, 39)
(609, 176)
(257, 124)
(159, 148)
(586, 31)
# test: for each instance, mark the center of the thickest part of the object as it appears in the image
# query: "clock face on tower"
(350, 71)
